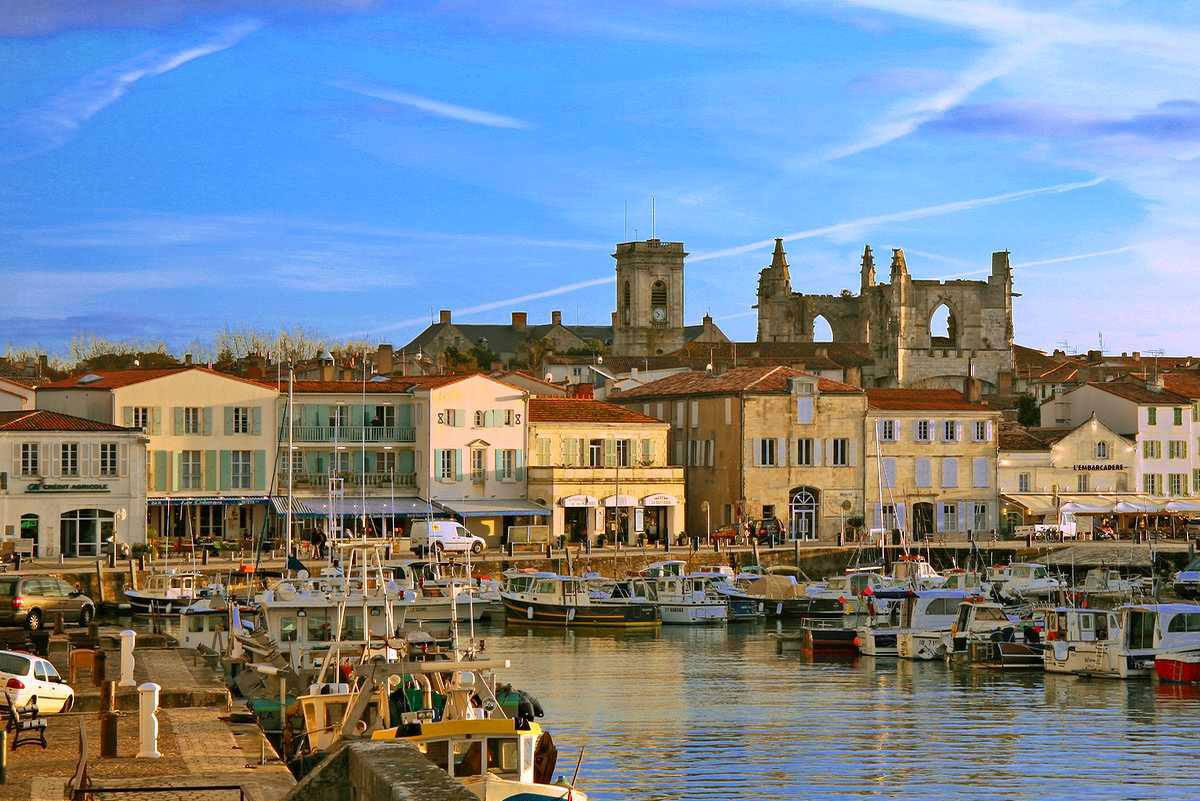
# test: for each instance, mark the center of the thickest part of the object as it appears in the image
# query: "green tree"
(1028, 413)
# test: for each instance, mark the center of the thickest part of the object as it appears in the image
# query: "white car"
(29, 679)
(436, 536)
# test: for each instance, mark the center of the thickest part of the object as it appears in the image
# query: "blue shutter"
(256, 420)
(228, 414)
(941, 517)
(437, 463)
(259, 474)
(458, 464)
(900, 516)
(520, 455)
(226, 470)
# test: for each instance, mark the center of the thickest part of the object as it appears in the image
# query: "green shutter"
(177, 469)
(208, 421)
(520, 455)
(210, 471)
(495, 463)
(160, 471)
(405, 462)
(127, 416)
(177, 413)
(228, 412)
(259, 467)
(226, 470)
(437, 464)
(156, 420)
(404, 415)
(256, 420)
(610, 453)
(458, 464)
(460, 417)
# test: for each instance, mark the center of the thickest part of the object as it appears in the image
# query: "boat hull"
(921, 645)
(873, 642)
(746, 608)
(707, 614)
(1178, 668)
(142, 604)
(596, 615)
(829, 640)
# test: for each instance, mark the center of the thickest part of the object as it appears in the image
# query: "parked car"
(764, 531)
(33, 601)
(29, 680)
(437, 536)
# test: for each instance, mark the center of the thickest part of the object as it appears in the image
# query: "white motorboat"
(1025, 580)
(925, 618)
(1085, 642)
(169, 590)
(682, 599)
(1121, 643)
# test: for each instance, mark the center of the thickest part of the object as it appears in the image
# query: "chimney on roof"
(444, 316)
(326, 371)
(43, 364)
(1094, 355)
(187, 359)
(518, 320)
(384, 363)
(556, 317)
(1137, 355)
(972, 389)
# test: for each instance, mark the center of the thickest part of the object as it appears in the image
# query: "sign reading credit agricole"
(1116, 467)
(43, 486)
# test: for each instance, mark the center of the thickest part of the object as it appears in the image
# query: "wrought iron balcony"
(351, 434)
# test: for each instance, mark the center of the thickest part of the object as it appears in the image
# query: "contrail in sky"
(861, 222)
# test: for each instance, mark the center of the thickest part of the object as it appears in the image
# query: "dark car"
(32, 601)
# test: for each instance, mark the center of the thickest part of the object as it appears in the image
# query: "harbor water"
(716, 713)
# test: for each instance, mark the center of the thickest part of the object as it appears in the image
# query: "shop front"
(578, 514)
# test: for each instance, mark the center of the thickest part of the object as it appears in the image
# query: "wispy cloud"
(1020, 266)
(438, 108)
(900, 216)
(55, 122)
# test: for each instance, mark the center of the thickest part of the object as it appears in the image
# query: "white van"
(443, 535)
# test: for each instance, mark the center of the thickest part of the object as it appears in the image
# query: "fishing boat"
(168, 591)
(740, 605)
(567, 601)
(1102, 583)
(1125, 642)
(1082, 641)
(925, 618)
(682, 599)
(984, 633)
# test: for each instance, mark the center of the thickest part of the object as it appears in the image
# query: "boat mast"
(291, 468)
(363, 429)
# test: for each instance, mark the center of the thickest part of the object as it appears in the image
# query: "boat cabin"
(930, 610)
(204, 627)
(471, 750)
(324, 709)
(172, 584)
(1068, 624)
(959, 579)
(915, 570)
(1160, 627)
(670, 567)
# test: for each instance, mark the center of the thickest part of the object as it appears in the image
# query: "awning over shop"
(575, 501)
(375, 507)
(1183, 506)
(208, 500)
(620, 500)
(1136, 505)
(1035, 504)
(494, 507)
(280, 504)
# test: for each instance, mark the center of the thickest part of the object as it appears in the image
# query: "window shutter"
(520, 457)
(610, 453)
(56, 467)
(458, 464)
(804, 409)
(988, 432)
(156, 420)
(980, 470)
(889, 472)
(729, 411)
(227, 412)
(712, 447)
(876, 511)
(210, 470)
(923, 477)
(897, 430)
(206, 425)
(958, 431)
(160, 471)
(949, 472)
(816, 452)
(227, 470)
(260, 470)
(941, 518)
(176, 460)
(964, 524)
(127, 416)
(564, 447)
(123, 460)
(781, 451)
(256, 420)
(16, 459)
(851, 453)
(829, 452)
(177, 425)
(85, 458)
(460, 419)
(437, 464)
(756, 444)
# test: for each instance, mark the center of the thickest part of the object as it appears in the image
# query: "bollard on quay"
(59, 623)
(204, 556)
(100, 669)
(128, 638)
(148, 721)
(4, 756)
(108, 719)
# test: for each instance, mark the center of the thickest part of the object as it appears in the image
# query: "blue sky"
(170, 168)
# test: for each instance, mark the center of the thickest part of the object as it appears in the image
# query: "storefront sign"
(659, 499)
(43, 486)
(620, 500)
(639, 520)
(1117, 467)
(575, 501)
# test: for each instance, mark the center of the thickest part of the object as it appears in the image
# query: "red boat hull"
(1178, 670)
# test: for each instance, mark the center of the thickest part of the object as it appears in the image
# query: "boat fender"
(571, 614)
(529, 612)
(779, 608)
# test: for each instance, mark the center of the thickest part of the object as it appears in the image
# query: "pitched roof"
(1139, 393)
(950, 400)
(115, 379)
(1016, 437)
(581, 410)
(764, 380)
(392, 385)
(1186, 384)
(41, 420)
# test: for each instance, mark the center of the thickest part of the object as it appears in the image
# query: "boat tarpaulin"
(494, 507)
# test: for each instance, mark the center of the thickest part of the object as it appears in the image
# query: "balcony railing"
(350, 434)
(320, 481)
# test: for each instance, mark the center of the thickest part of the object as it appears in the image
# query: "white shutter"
(729, 411)
(16, 460)
(756, 444)
(958, 431)
(851, 453)
(816, 452)
(56, 455)
(44, 451)
(941, 518)
(123, 464)
(781, 451)
(988, 433)
(712, 447)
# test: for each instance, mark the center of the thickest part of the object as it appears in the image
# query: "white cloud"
(55, 122)
(438, 108)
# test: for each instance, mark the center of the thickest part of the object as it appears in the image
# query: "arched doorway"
(85, 532)
(30, 530)
(803, 507)
(922, 520)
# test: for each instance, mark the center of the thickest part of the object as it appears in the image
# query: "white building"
(15, 394)
(72, 486)
(212, 443)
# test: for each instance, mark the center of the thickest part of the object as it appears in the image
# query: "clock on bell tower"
(649, 317)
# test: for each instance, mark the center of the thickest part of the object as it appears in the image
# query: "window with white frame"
(387, 463)
(478, 464)
(1177, 484)
(192, 420)
(841, 453)
(887, 430)
(69, 455)
(804, 451)
(108, 459)
(981, 427)
(1151, 448)
(30, 463)
(141, 417)
(950, 517)
(1024, 480)
(241, 470)
(1102, 450)
(887, 516)
(506, 464)
(923, 431)
(241, 419)
(1152, 483)
(624, 458)
(979, 516)
(511, 417)
(767, 455)
(445, 465)
(950, 431)
(190, 471)
(1081, 482)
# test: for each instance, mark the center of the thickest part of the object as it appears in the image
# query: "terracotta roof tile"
(764, 380)
(922, 399)
(582, 410)
(115, 379)
(1139, 393)
(1016, 437)
(41, 420)
(1186, 384)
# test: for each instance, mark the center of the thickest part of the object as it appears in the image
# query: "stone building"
(762, 443)
(895, 321)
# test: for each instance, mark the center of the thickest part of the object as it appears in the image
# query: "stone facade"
(894, 320)
(649, 317)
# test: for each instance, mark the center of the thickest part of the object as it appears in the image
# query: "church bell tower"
(649, 316)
